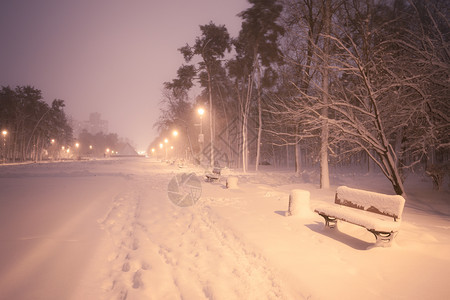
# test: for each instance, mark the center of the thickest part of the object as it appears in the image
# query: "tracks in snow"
(160, 251)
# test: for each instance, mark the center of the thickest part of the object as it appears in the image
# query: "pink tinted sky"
(105, 56)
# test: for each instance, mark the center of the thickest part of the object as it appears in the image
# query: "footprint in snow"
(126, 267)
(137, 279)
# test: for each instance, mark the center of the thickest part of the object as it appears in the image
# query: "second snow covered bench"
(214, 175)
(378, 213)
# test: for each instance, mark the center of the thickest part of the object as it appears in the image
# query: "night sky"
(105, 56)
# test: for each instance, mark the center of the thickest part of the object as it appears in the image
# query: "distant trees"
(31, 123)
(97, 145)
(177, 113)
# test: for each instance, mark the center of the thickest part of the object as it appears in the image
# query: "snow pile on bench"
(390, 205)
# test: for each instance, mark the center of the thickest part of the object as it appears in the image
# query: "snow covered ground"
(106, 229)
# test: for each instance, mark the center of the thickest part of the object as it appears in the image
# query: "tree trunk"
(393, 173)
(258, 146)
(227, 130)
(287, 156)
(211, 119)
(246, 111)
(324, 172)
(244, 145)
(298, 159)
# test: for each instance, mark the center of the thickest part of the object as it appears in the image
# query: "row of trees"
(30, 125)
(338, 81)
(33, 130)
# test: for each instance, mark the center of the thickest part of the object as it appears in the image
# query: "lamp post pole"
(165, 148)
(201, 137)
(4, 133)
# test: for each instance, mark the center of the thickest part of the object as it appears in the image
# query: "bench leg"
(330, 222)
(384, 239)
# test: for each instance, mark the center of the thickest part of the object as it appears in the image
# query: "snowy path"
(161, 251)
(107, 230)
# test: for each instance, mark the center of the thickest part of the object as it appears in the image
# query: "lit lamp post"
(161, 145)
(4, 134)
(77, 147)
(175, 134)
(201, 112)
(201, 137)
(52, 149)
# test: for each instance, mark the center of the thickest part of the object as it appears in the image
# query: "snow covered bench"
(214, 175)
(378, 213)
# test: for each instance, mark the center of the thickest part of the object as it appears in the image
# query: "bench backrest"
(388, 205)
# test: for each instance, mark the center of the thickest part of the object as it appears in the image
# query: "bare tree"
(387, 81)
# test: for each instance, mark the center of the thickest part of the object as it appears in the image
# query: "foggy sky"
(105, 56)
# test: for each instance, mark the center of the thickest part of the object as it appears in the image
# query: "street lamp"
(4, 134)
(53, 149)
(175, 134)
(165, 148)
(201, 138)
(201, 111)
(77, 151)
